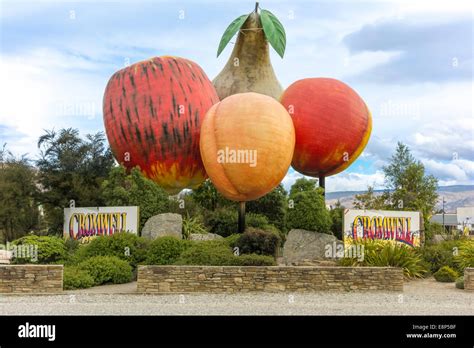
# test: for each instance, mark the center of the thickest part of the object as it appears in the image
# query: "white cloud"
(446, 170)
(346, 181)
(441, 7)
(37, 97)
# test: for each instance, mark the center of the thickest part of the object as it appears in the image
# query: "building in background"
(459, 222)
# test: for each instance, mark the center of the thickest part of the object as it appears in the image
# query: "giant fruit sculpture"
(153, 112)
(332, 125)
(249, 68)
(247, 143)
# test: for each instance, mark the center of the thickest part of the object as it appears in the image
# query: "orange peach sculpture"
(246, 144)
(332, 125)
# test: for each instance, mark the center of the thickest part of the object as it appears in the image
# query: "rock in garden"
(306, 245)
(163, 225)
(207, 236)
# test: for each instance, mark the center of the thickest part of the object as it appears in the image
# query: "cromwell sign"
(83, 223)
(384, 225)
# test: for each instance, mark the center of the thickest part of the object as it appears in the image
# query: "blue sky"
(411, 61)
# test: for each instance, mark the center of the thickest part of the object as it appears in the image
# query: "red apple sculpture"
(153, 112)
(332, 125)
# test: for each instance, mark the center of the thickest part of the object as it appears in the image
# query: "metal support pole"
(444, 228)
(241, 217)
(322, 184)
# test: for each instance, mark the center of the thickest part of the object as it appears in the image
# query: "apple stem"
(256, 7)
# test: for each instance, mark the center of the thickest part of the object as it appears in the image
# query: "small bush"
(446, 274)
(256, 220)
(75, 278)
(50, 249)
(107, 269)
(212, 253)
(233, 239)
(460, 282)
(253, 260)
(309, 212)
(72, 245)
(381, 254)
(165, 250)
(442, 254)
(255, 241)
(465, 255)
(193, 225)
(222, 221)
(124, 245)
(280, 234)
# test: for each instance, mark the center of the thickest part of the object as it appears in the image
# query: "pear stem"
(256, 7)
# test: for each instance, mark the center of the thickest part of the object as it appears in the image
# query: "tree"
(408, 187)
(411, 188)
(337, 217)
(71, 168)
(369, 200)
(302, 185)
(207, 196)
(307, 208)
(122, 189)
(19, 212)
(272, 205)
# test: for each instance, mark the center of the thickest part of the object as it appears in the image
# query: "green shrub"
(432, 229)
(380, 254)
(442, 254)
(446, 274)
(253, 260)
(124, 245)
(72, 245)
(212, 253)
(218, 253)
(50, 249)
(233, 239)
(460, 282)
(272, 206)
(222, 221)
(337, 219)
(125, 188)
(165, 250)
(185, 205)
(107, 269)
(256, 241)
(193, 225)
(275, 230)
(255, 220)
(309, 212)
(75, 278)
(465, 255)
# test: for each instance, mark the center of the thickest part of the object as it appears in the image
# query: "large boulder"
(302, 245)
(161, 225)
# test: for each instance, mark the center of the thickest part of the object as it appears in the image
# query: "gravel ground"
(419, 297)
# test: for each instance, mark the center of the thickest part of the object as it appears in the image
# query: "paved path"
(419, 297)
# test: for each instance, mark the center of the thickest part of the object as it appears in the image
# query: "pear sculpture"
(249, 68)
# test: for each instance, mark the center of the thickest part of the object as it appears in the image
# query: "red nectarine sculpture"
(332, 125)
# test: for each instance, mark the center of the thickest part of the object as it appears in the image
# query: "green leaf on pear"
(230, 32)
(274, 31)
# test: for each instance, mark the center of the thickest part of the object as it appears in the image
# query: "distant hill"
(455, 196)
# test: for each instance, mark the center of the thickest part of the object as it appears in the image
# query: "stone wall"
(31, 278)
(469, 279)
(182, 279)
